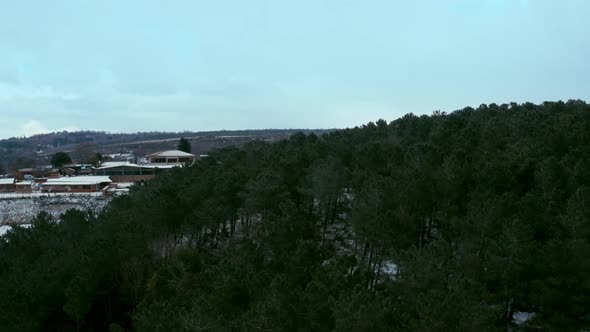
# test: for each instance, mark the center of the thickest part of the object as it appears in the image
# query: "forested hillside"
(450, 222)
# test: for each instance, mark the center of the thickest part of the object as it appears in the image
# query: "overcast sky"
(141, 65)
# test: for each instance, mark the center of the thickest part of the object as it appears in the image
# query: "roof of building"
(108, 164)
(114, 164)
(77, 165)
(36, 169)
(6, 181)
(78, 180)
(171, 153)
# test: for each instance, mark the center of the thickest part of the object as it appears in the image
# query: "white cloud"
(35, 127)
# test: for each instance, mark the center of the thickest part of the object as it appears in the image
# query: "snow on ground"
(39, 194)
(21, 210)
(521, 317)
(342, 236)
(389, 269)
(4, 229)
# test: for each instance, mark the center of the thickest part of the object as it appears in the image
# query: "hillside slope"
(478, 220)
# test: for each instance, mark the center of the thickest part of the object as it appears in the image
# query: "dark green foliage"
(59, 159)
(184, 145)
(95, 159)
(434, 223)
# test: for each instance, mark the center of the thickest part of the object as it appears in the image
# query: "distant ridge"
(17, 152)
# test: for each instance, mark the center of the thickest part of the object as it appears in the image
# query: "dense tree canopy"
(466, 221)
(60, 158)
(184, 145)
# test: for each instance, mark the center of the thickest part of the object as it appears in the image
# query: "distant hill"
(36, 150)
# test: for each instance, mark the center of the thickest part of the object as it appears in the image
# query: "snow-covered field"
(20, 210)
(39, 194)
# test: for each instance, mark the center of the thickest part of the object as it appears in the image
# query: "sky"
(146, 65)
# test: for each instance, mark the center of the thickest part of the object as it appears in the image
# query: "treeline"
(64, 138)
(458, 222)
(22, 152)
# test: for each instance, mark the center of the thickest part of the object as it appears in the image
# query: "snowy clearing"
(21, 210)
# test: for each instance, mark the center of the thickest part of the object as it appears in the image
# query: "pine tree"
(184, 145)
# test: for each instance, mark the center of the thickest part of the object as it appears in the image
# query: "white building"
(171, 157)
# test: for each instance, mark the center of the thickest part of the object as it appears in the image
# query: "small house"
(7, 185)
(25, 186)
(76, 184)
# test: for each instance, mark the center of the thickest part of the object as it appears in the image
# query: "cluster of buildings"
(107, 177)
